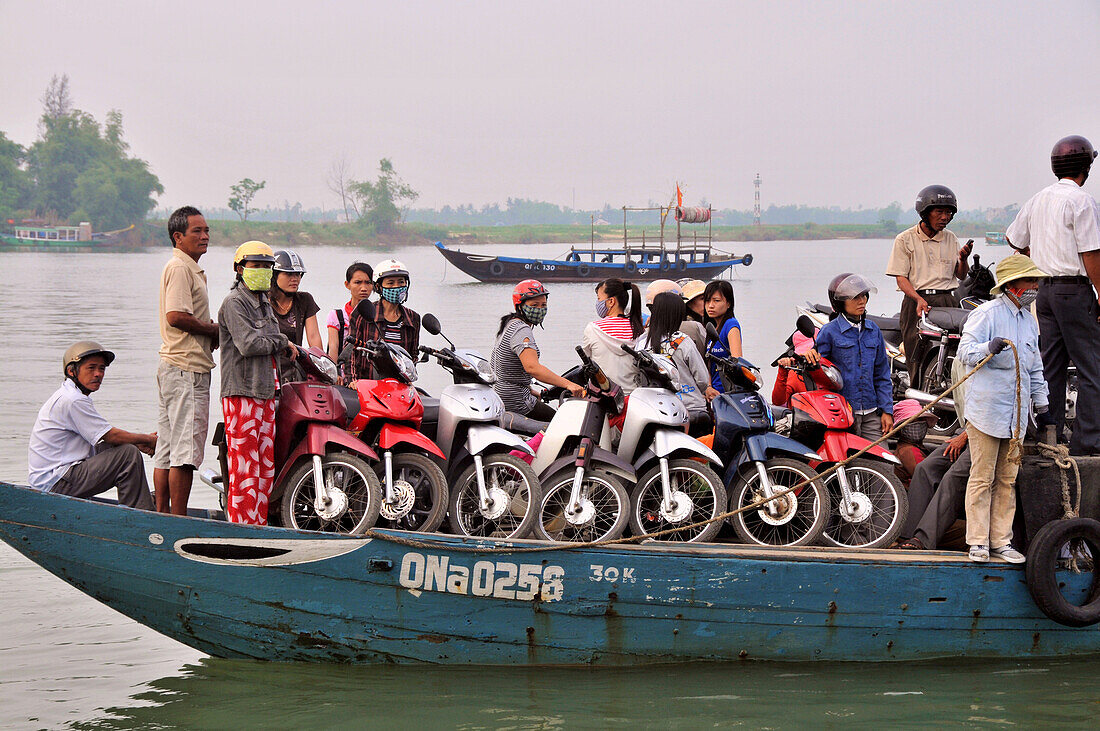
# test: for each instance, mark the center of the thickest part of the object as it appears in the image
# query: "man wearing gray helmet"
(75, 451)
(927, 262)
(1061, 225)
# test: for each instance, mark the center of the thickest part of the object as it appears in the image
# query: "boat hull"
(487, 268)
(274, 594)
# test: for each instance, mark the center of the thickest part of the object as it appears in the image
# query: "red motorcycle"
(323, 475)
(386, 414)
(868, 502)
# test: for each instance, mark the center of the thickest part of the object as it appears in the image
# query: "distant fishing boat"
(996, 238)
(32, 236)
(641, 256)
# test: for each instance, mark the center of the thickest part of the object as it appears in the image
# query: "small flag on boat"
(679, 196)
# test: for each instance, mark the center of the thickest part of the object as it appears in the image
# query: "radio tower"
(756, 204)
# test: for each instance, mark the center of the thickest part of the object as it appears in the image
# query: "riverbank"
(305, 234)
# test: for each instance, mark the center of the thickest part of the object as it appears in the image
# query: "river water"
(66, 660)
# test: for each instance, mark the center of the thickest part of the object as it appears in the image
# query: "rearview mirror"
(431, 324)
(712, 331)
(805, 326)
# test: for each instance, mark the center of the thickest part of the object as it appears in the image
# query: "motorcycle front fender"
(479, 437)
(854, 443)
(393, 434)
(600, 459)
(670, 441)
(759, 446)
(317, 440)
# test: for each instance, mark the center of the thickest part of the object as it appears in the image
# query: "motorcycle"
(324, 481)
(675, 488)
(493, 494)
(386, 413)
(761, 463)
(584, 498)
(869, 503)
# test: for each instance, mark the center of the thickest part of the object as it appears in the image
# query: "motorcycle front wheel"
(420, 494)
(514, 496)
(698, 495)
(800, 516)
(879, 514)
(604, 513)
(354, 493)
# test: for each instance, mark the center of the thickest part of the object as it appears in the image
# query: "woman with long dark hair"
(718, 301)
(515, 359)
(619, 313)
(665, 317)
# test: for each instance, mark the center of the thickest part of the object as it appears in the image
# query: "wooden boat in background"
(641, 257)
(36, 236)
(240, 591)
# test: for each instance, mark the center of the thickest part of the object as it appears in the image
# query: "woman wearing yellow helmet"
(250, 342)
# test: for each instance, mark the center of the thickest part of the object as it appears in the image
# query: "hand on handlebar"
(712, 393)
(923, 308)
(575, 389)
(812, 357)
(292, 350)
(786, 362)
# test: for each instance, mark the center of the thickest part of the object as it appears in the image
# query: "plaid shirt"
(363, 329)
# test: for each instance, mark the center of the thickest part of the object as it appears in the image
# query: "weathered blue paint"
(340, 599)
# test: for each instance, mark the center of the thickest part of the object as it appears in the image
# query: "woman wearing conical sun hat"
(992, 413)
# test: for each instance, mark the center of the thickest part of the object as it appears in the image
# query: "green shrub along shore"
(300, 235)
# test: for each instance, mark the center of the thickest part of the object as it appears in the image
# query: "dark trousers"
(119, 466)
(936, 496)
(1068, 329)
(908, 320)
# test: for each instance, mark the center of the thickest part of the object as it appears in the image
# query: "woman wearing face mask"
(295, 310)
(515, 359)
(392, 322)
(250, 342)
(718, 306)
(619, 309)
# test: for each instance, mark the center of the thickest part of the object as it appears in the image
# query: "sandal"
(911, 544)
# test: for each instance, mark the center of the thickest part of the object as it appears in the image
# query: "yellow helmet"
(253, 251)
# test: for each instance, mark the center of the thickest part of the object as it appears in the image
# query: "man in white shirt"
(1061, 225)
(75, 451)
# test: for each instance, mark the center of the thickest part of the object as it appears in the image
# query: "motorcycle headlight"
(406, 367)
(325, 366)
(665, 366)
(477, 362)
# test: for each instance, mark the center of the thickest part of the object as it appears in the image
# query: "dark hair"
(628, 297)
(177, 222)
(359, 266)
(665, 316)
(719, 286)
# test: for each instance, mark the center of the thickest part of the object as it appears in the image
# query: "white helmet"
(390, 268)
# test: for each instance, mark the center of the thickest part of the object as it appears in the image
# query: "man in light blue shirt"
(992, 413)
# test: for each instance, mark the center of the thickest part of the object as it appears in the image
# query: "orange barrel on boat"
(692, 215)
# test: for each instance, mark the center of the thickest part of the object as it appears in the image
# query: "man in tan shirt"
(183, 378)
(928, 264)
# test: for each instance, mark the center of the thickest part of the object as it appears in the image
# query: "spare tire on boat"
(1042, 566)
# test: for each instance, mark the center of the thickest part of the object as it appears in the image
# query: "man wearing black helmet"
(928, 264)
(1061, 225)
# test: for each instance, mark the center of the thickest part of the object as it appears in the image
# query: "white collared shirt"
(66, 431)
(1060, 223)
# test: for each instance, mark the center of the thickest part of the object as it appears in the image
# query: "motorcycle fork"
(583, 450)
(845, 491)
(668, 503)
(482, 491)
(388, 495)
(941, 358)
(767, 488)
(321, 498)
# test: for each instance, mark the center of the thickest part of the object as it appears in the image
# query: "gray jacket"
(248, 336)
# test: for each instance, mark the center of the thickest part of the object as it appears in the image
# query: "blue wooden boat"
(268, 593)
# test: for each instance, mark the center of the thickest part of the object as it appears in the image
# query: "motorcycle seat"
(886, 324)
(350, 397)
(520, 424)
(949, 318)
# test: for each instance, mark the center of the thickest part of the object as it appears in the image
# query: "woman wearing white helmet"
(392, 321)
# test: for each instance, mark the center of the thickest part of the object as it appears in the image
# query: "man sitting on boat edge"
(75, 451)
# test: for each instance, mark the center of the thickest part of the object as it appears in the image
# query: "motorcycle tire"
(428, 487)
(344, 472)
(947, 422)
(889, 507)
(798, 524)
(513, 481)
(1041, 571)
(605, 495)
(699, 485)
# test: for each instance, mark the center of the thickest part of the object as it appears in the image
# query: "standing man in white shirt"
(1061, 225)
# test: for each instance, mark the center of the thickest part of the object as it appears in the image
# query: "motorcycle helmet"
(289, 262)
(936, 195)
(77, 352)
(1071, 156)
(659, 286)
(848, 286)
(528, 289)
(252, 251)
(390, 268)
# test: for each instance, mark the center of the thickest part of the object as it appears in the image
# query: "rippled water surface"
(65, 659)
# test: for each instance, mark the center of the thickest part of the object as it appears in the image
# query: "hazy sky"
(833, 103)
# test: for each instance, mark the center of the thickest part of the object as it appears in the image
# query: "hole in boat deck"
(232, 551)
(936, 599)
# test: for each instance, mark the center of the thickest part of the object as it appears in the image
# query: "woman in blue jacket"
(855, 346)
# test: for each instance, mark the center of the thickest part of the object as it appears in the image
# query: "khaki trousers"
(990, 491)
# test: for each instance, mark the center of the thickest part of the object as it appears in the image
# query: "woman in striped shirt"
(515, 359)
(619, 309)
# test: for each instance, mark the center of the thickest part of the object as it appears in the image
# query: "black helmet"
(288, 261)
(1071, 156)
(848, 286)
(936, 195)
